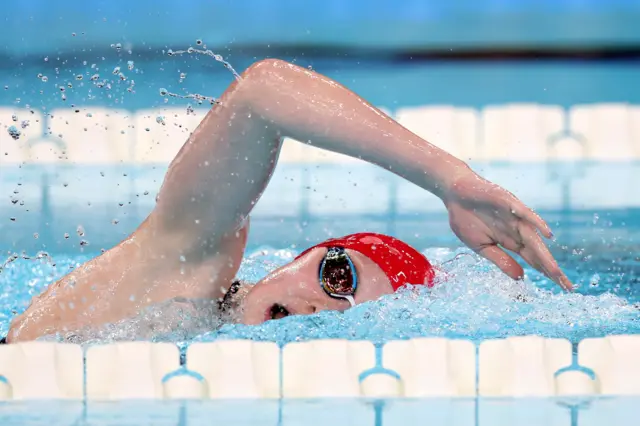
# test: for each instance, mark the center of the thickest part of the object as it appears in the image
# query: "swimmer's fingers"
(502, 260)
(528, 215)
(537, 254)
(525, 213)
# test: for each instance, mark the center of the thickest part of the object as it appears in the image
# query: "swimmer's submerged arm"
(227, 162)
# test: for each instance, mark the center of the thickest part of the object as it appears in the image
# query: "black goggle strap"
(339, 255)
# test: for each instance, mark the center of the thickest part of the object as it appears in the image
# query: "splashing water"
(14, 132)
(472, 300)
(206, 52)
(195, 96)
(113, 89)
(114, 82)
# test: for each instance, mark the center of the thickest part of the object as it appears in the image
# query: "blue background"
(366, 45)
(37, 27)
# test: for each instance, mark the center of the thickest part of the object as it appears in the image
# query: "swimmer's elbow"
(256, 82)
(262, 83)
(265, 68)
(265, 76)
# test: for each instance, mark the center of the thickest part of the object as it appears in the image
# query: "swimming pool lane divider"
(527, 366)
(378, 404)
(383, 410)
(378, 368)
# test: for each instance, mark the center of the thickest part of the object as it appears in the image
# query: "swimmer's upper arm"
(218, 175)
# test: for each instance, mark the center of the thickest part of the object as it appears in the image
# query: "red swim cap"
(400, 262)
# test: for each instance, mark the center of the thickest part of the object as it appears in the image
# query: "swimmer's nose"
(276, 299)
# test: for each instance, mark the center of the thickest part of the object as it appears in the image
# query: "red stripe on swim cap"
(400, 262)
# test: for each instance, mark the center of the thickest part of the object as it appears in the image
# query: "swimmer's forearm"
(310, 108)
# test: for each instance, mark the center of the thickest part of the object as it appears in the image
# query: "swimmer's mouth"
(277, 311)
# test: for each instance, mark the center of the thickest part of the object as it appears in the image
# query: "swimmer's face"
(295, 289)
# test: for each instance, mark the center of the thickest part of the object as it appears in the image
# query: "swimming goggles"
(338, 276)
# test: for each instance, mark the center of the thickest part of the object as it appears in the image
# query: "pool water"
(338, 412)
(472, 300)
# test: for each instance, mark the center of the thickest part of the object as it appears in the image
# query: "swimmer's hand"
(488, 219)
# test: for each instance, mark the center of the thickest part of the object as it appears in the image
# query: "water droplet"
(198, 42)
(116, 71)
(130, 65)
(115, 221)
(160, 120)
(69, 85)
(36, 235)
(14, 117)
(89, 115)
(84, 243)
(44, 79)
(190, 50)
(46, 59)
(163, 92)
(12, 219)
(24, 124)
(66, 236)
(73, 34)
(170, 52)
(79, 77)
(80, 231)
(14, 132)
(122, 77)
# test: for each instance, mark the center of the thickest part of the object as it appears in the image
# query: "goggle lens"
(337, 274)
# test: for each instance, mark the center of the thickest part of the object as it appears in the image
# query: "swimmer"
(192, 243)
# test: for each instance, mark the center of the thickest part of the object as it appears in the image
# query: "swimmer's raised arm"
(224, 167)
